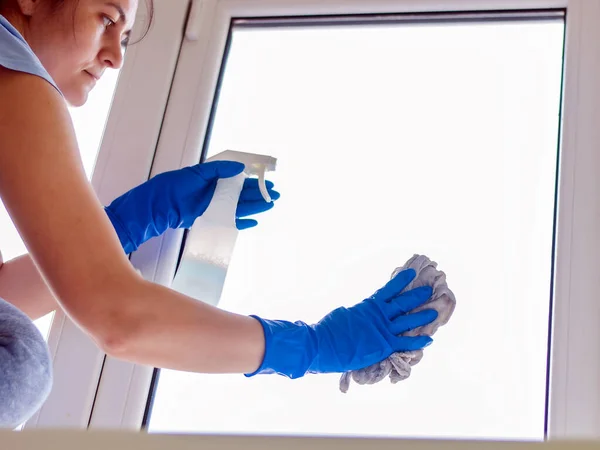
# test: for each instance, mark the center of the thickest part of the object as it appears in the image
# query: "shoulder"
(15, 53)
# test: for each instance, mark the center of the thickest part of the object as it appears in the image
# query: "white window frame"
(119, 440)
(574, 403)
(124, 160)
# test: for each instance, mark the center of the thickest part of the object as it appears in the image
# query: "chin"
(75, 94)
(76, 97)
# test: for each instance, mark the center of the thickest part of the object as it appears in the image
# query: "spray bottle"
(211, 240)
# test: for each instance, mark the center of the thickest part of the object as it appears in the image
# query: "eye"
(108, 21)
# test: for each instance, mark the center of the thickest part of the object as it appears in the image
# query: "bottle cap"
(255, 164)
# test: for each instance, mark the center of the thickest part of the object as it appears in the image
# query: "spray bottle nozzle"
(254, 163)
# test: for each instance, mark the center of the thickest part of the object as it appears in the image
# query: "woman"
(52, 52)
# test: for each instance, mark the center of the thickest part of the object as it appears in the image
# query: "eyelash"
(110, 22)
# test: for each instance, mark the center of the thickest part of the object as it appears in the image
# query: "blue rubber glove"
(349, 338)
(177, 198)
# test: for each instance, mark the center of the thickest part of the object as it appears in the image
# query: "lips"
(94, 76)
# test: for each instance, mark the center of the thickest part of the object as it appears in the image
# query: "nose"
(111, 54)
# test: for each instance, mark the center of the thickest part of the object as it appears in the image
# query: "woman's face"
(78, 40)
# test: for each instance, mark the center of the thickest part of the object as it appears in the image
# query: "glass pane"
(439, 139)
(89, 121)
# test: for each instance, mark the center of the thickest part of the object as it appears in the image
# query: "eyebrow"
(118, 8)
(122, 14)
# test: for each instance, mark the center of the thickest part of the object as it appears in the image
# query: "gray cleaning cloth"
(25, 367)
(398, 365)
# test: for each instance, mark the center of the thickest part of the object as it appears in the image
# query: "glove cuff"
(124, 237)
(290, 348)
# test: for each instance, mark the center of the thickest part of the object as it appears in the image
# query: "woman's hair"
(56, 4)
(150, 8)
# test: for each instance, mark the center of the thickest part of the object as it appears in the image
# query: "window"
(161, 117)
(420, 136)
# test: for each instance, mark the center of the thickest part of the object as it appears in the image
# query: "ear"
(28, 7)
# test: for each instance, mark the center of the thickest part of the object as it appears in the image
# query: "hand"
(177, 198)
(349, 338)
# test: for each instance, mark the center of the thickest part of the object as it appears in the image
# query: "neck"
(17, 20)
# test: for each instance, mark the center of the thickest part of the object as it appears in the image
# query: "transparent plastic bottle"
(211, 239)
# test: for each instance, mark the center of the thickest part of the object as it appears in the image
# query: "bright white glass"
(438, 139)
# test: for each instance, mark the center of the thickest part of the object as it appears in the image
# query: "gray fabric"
(25, 367)
(398, 365)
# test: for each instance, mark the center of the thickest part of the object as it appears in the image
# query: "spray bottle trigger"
(262, 185)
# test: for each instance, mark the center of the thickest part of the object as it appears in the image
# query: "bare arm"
(22, 285)
(77, 252)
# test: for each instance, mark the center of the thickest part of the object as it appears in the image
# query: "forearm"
(22, 285)
(160, 327)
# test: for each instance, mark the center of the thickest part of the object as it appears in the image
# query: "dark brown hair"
(150, 8)
(57, 4)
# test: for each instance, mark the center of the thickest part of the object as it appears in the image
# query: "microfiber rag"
(398, 365)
